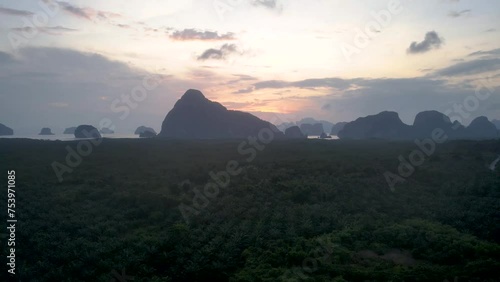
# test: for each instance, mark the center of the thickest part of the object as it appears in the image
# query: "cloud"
(14, 12)
(218, 54)
(354, 85)
(41, 81)
(52, 30)
(270, 4)
(457, 14)
(494, 52)
(326, 107)
(363, 96)
(245, 90)
(471, 67)
(86, 13)
(61, 28)
(245, 77)
(241, 77)
(125, 26)
(491, 30)
(432, 40)
(272, 84)
(408, 96)
(337, 83)
(332, 82)
(66, 63)
(194, 34)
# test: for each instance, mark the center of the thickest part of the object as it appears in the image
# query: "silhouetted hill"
(5, 130)
(196, 117)
(326, 125)
(385, 125)
(426, 122)
(87, 131)
(294, 133)
(284, 126)
(46, 131)
(142, 129)
(69, 130)
(481, 128)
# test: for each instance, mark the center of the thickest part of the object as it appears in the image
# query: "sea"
(334, 137)
(71, 137)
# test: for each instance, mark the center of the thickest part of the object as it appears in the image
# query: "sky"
(66, 63)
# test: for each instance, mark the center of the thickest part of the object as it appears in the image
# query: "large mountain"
(196, 117)
(426, 122)
(387, 125)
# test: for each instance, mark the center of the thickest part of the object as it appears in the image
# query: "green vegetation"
(307, 210)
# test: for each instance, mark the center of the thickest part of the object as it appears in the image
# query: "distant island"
(5, 130)
(69, 130)
(143, 129)
(196, 117)
(87, 131)
(46, 131)
(307, 124)
(388, 125)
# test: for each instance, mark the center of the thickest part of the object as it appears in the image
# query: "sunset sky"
(68, 63)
